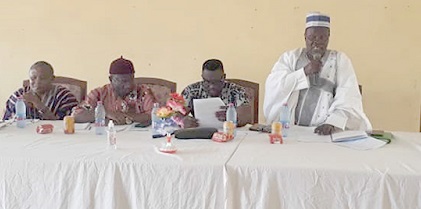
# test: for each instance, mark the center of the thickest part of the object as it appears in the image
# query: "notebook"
(345, 136)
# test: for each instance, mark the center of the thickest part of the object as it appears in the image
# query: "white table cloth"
(77, 171)
(323, 175)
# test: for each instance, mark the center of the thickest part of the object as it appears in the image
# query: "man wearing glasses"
(214, 85)
(319, 85)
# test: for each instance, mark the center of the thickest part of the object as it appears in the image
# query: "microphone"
(317, 56)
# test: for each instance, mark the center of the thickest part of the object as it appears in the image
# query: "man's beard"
(316, 53)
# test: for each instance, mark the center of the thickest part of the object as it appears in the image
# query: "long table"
(78, 171)
(324, 175)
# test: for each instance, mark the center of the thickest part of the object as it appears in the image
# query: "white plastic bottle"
(111, 136)
(284, 119)
(231, 115)
(154, 119)
(99, 118)
(20, 109)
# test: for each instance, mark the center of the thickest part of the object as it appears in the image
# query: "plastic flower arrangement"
(165, 112)
(172, 114)
(171, 119)
(177, 103)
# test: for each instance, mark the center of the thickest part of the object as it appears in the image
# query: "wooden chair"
(160, 88)
(77, 87)
(252, 92)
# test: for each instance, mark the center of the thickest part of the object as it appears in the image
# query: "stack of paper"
(345, 136)
(367, 143)
(358, 140)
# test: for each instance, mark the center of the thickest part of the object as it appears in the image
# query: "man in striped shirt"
(43, 100)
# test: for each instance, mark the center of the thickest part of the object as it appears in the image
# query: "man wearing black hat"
(124, 101)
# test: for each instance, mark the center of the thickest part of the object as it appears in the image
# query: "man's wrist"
(43, 110)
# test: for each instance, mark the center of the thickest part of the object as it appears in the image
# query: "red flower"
(177, 103)
(177, 98)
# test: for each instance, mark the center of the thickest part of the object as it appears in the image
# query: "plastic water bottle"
(111, 136)
(231, 115)
(155, 119)
(99, 118)
(284, 119)
(20, 109)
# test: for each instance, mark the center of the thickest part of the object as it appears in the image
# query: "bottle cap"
(111, 124)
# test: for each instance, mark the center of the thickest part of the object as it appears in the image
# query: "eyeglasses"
(213, 82)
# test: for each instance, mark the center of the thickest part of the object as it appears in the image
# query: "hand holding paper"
(222, 113)
(205, 111)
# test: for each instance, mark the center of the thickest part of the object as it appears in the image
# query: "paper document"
(357, 140)
(344, 136)
(82, 126)
(205, 109)
(3, 124)
(367, 143)
(306, 134)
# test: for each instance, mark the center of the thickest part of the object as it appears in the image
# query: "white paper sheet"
(82, 126)
(344, 136)
(13, 122)
(306, 134)
(3, 124)
(204, 111)
(367, 143)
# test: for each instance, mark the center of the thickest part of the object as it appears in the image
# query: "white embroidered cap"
(317, 19)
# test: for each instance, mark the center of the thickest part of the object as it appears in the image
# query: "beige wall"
(171, 39)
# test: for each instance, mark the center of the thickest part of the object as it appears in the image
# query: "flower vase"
(166, 126)
(168, 146)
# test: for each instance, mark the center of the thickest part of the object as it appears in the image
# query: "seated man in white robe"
(319, 85)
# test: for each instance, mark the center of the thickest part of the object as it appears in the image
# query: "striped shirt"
(59, 101)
